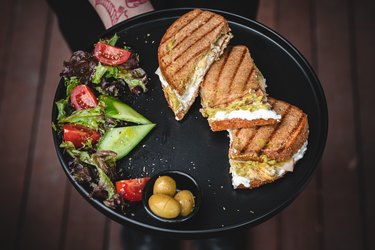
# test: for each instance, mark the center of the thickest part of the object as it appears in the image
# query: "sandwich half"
(186, 51)
(264, 154)
(233, 93)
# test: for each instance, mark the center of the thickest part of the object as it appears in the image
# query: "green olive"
(186, 200)
(164, 206)
(165, 185)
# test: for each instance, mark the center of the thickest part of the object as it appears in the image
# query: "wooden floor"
(40, 209)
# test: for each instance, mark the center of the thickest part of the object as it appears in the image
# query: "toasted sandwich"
(234, 94)
(186, 51)
(264, 154)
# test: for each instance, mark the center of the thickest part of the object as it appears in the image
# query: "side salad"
(95, 127)
(108, 69)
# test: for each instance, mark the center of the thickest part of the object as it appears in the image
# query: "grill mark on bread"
(250, 139)
(228, 73)
(278, 124)
(235, 79)
(191, 58)
(214, 94)
(298, 124)
(210, 81)
(291, 132)
(240, 140)
(190, 46)
(195, 30)
(182, 44)
(254, 79)
(236, 72)
(240, 78)
(185, 34)
(258, 152)
(247, 83)
(272, 131)
(288, 137)
(236, 132)
(282, 146)
(188, 18)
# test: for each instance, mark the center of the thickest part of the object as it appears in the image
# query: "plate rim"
(265, 31)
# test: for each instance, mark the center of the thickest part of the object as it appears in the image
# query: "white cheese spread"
(238, 180)
(246, 115)
(288, 166)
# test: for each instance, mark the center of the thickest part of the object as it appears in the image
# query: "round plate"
(191, 147)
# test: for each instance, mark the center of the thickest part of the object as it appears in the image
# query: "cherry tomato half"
(82, 97)
(78, 134)
(110, 55)
(132, 189)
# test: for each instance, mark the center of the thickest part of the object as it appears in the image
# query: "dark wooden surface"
(41, 210)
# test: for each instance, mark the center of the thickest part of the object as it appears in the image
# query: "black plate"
(191, 147)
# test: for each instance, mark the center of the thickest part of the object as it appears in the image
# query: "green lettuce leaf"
(111, 41)
(92, 118)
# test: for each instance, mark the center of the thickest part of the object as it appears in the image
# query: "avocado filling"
(250, 107)
(174, 101)
(251, 102)
(265, 170)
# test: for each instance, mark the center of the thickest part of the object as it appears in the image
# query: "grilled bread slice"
(264, 154)
(233, 93)
(186, 51)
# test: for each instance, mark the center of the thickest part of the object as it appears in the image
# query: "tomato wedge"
(82, 97)
(78, 134)
(132, 189)
(110, 55)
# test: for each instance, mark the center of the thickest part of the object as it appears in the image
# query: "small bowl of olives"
(171, 196)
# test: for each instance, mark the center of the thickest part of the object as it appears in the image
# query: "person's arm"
(112, 12)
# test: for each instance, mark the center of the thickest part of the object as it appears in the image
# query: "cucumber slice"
(119, 110)
(122, 140)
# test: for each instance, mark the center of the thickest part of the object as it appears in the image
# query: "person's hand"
(114, 11)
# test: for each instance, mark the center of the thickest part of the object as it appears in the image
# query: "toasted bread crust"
(278, 142)
(238, 123)
(234, 77)
(185, 42)
(231, 78)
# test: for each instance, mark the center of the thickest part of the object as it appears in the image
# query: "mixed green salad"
(95, 127)
(108, 69)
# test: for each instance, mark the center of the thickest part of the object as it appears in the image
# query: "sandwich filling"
(266, 170)
(251, 107)
(182, 102)
(246, 115)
